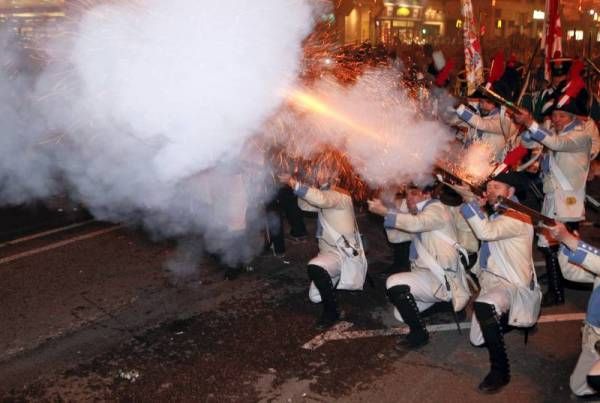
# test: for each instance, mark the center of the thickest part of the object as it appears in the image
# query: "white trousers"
(423, 286)
(497, 296)
(586, 363)
(332, 263)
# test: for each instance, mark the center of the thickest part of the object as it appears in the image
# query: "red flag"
(552, 39)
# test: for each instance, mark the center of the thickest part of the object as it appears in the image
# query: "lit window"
(578, 35)
(499, 24)
(570, 34)
(403, 12)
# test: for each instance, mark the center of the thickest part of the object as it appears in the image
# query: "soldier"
(436, 274)
(564, 167)
(494, 127)
(339, 243)
(505, 270)
(584, 258)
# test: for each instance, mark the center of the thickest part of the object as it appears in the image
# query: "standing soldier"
(494, 127)
(564, 167)
(341, 261)
(505, 271)
(436, 274)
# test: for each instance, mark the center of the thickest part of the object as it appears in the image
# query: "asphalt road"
(91, 314)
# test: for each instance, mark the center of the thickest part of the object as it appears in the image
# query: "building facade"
(393, 21)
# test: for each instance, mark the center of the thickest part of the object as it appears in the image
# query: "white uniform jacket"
(567, 159)
(433, 218)
(466, 237)
(581, 265)
(494, 129)
(395, 235)
(334, 205)
(505, 257)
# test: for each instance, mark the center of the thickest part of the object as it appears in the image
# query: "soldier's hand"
(562, 234)
(377, 207)
(523, 117)
(287, 179)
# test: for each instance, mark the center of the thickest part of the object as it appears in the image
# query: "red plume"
(443, 75)
(497, 68)
(576, 69)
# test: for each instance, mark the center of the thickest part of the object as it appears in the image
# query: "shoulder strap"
(432, 264)
(558, 174)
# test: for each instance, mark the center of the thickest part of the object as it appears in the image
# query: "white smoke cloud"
(374, 122)
(147, 111)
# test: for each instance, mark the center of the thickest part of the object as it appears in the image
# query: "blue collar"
(570, 126)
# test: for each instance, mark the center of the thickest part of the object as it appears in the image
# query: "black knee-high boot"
(594, 382)
(499, 374)
(404, 301)
(555, 295)
(324, 284)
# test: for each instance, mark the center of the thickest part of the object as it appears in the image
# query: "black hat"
(517, 180)
(560, 66)
(449, 196)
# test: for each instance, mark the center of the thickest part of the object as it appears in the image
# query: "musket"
(500, 99)
(450, 178)
(528, 73)
(536, 216)
(592, 65)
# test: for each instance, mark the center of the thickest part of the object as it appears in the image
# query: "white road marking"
(45, 233)
(58, 244)
(339, 331)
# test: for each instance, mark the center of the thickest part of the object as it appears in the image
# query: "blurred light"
(403, 12)
(459, 23)
(538, 15)
(592, 12)
(578, 35)
(499, 24)
(424, 31)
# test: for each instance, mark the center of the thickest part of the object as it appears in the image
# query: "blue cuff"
(464, 113)
(536, 132)
(301, 191)
(538, 135)
(579, 255)
(526, 136)
(565, 251)
(469, 210)
(390, 220)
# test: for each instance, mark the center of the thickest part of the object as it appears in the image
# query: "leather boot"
(323, 282)
(404, 301)
(499, 375)
(555, 295)
(594, 382)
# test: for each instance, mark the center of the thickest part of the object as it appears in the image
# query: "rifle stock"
(536, 216)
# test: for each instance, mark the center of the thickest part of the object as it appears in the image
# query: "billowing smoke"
(373, 122)
(148, 111)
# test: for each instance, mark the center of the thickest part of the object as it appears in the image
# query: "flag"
(552, 36)
(473, 60)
